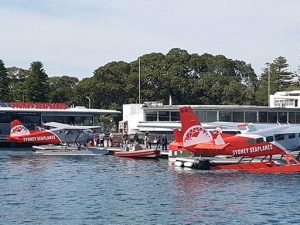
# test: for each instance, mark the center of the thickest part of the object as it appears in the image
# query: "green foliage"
(4, 82)
(17, 78)
(281, 79)
(62, 89)
(188, 78)
(36, 85)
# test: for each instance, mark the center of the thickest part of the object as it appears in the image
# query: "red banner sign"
(39, 105)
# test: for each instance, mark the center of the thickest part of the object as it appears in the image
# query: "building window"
(175, 116)
(251, 117)
(297, 117)
(225, 116)
(201, 115)
(272, 117)
(151, 116)
(164, 116)
(292, 117)
(238, 116)
(282, 117)
(211, 116)
(263, 117)
(4, 118)
(84, 120)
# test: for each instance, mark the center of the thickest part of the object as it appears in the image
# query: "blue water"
(111, 190)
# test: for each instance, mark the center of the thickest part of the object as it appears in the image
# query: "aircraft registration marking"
(255, 149)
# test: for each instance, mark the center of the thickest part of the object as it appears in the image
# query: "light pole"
(269, 68)
(89, 101)
(139, 80)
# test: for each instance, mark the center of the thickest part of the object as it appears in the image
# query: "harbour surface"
(111, 190)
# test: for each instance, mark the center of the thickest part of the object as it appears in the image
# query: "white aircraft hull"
(53, 150)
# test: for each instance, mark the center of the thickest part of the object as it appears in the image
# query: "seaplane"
(265, 150)
(57, 139)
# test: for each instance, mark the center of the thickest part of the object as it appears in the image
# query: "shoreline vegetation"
(188, 78)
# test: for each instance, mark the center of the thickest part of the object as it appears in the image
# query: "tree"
(281, 79)
(36, 85)
(282, 75)
(62, 89)
(4, 81)
(17, 77)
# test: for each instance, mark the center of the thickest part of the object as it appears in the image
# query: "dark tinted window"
(175, 116)
(259, 140)
(151, 116)
(231, 132)
(251, 117)
(250, 141)
(269, 139)
(291, 136)
(279, 137)
(163, 115)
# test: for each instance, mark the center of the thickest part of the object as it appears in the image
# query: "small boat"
(148, 153)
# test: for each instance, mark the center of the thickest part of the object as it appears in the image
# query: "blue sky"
(74, 38)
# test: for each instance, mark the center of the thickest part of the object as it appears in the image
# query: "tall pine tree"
(4, 83)
(281, 79)
(36, 85)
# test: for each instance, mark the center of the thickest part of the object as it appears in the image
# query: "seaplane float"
(267, 150)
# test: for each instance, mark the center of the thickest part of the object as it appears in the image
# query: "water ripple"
(110, 190)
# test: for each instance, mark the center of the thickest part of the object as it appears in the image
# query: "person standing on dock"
(111, 138)
(136, 139)
(149, 141)
(158, 142)
(101, 138)
(164, 141)
(146, 141)
(125, 142)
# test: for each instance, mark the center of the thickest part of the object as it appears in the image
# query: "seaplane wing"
(68, 126)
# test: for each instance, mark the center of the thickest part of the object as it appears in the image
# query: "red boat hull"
(148, 153)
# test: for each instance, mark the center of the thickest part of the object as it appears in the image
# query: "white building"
(158, 118)
(285, 99)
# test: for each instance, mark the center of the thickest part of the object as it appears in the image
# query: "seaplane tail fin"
(177, 143)
(177, 135)
(18, 129)
(192, 130)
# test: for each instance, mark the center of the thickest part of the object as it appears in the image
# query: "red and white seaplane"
(58, 134)
(262, 151)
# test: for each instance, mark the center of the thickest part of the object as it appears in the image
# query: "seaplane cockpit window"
(279, 137)
(68, 132)
(259, 140)
(250, 141)
(269, 138)
(291, 136)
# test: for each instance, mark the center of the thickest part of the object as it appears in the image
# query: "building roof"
(68, 110)
(214, 107)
